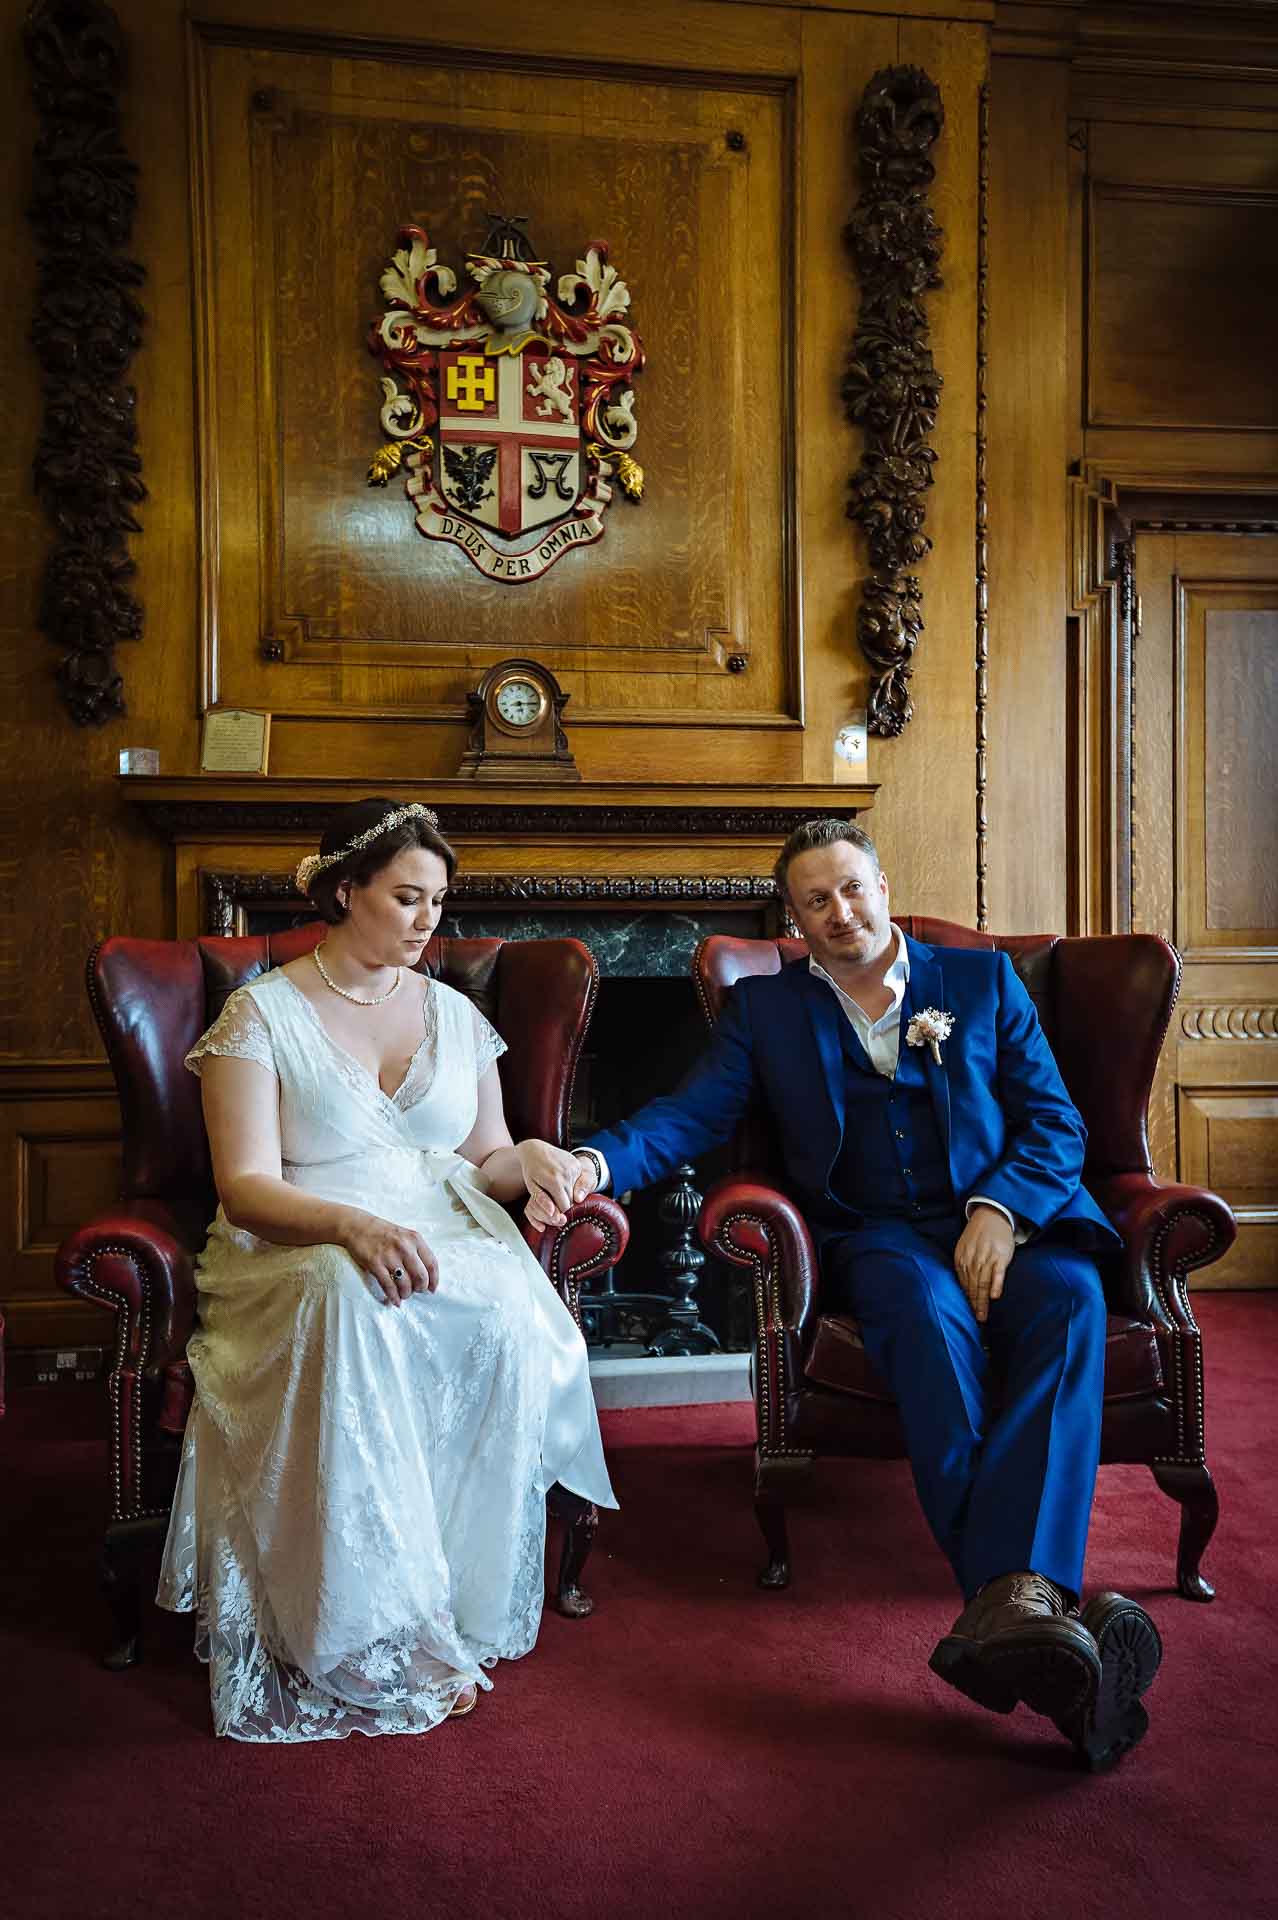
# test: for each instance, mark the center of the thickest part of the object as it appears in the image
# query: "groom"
(930, 1143)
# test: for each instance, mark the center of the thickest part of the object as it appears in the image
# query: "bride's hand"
(397, 1258)
(555, 1180)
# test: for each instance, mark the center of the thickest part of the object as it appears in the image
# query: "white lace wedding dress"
(360, 1515)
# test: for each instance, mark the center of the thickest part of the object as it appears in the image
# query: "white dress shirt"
(881, 1038)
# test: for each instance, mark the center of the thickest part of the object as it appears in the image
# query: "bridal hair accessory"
(928, 1029)
(316, 862)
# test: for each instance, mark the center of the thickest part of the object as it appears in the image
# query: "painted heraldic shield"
(509, 438)
(511, 408)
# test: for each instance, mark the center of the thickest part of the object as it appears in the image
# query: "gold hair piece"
(316, 862)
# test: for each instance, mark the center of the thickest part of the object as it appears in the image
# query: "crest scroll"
(510, 408)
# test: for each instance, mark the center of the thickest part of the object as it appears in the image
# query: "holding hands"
(556, 1180)
(401, 1262)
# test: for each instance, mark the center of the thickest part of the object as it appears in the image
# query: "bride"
(387, 1383)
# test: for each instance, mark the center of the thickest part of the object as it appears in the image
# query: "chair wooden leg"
(1194, 1489)
(774, 1476)
(580, 1522)
(123, 1551)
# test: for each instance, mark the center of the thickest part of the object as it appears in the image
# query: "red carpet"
(697, 1748)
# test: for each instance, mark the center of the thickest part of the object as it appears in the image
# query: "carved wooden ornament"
(511, 410)
(86, 329)
(891, 388)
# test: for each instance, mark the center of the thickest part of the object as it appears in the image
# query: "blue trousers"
(1002, 1422)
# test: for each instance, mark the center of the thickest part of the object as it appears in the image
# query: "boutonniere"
(928, 1029)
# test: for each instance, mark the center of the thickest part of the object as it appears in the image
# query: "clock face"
(519, 702)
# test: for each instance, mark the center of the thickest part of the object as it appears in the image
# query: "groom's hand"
(555, 1179)
(982, 1257)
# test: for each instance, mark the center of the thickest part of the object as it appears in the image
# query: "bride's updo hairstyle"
(349, 824)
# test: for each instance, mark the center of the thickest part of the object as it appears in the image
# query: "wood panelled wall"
(1168, 286)
(1127, 183)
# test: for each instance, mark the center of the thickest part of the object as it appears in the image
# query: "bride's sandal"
(466, 1702)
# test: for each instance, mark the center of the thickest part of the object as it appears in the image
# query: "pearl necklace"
(355, 997)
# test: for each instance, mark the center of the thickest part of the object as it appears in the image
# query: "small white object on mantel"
(851, 748)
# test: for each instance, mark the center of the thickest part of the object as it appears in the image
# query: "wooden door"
(1205, 865)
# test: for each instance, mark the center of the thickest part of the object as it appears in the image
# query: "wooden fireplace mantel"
(236, 840)
(208, 807)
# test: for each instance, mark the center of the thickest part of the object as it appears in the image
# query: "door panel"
(1205, 866)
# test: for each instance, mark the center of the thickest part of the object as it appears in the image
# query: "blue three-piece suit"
(882, 1170)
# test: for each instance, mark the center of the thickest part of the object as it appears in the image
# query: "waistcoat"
(892, 1163)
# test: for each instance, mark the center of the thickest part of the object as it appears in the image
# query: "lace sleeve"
(238, 1032)
(489, 1045)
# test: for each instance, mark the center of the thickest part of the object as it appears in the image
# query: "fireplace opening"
(645, 1036)
(667, 1296)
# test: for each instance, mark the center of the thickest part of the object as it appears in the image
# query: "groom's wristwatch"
(596, 1161)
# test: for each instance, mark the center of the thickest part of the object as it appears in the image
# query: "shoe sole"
(1054, 1671)
(1131, 1653)
(956, 1662)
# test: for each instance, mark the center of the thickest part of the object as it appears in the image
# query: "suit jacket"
(1011, 1130)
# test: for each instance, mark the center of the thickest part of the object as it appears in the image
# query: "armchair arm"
(747, 1221)
(136, 1261)
(595, 1237)
(1167, 1231)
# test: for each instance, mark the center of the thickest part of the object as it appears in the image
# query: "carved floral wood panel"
(891, 387)
(87, 327)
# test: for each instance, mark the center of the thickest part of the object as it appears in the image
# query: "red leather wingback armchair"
(152, 999)
(1104, 1004)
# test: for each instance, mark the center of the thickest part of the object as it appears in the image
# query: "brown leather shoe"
(1131, 1653)
(1017, 1640)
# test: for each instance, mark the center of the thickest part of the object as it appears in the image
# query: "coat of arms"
(511, 409)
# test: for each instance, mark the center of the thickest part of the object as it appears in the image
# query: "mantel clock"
(516, 734)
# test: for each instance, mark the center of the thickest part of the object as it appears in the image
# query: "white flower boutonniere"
(928, 1029)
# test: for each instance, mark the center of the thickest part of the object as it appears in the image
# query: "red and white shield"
(509, 436)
